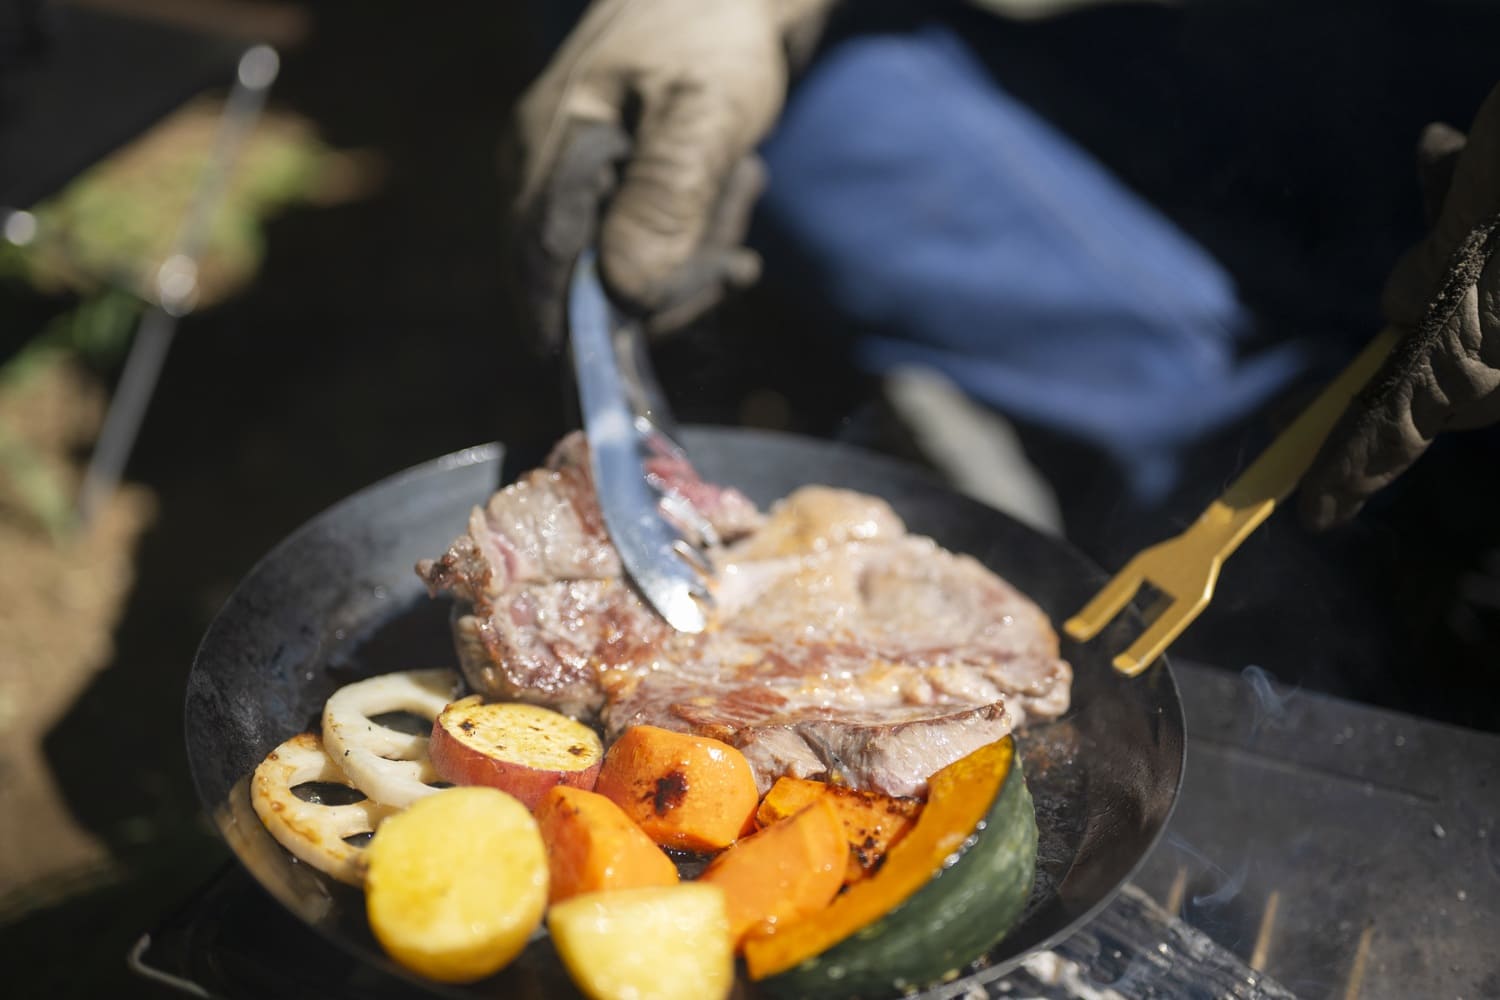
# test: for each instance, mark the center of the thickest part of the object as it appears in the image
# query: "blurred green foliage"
(113, 225)
(100, 241)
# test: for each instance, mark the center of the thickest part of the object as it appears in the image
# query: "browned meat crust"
(842, 647)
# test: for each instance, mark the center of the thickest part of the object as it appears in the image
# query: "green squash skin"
(948, 923)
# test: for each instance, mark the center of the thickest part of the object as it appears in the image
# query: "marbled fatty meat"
(841, 646)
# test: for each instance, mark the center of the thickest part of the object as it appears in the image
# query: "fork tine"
(1187, 566)
(1107, 603)
(689, 553)
(1160, 634)
(684, 516)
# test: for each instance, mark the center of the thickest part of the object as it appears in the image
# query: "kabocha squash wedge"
(948, 891)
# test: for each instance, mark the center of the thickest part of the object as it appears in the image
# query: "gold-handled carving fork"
(1186, 567)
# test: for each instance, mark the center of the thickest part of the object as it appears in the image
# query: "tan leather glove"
(1444, 294)
(650, 112)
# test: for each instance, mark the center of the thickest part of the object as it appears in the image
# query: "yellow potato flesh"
(457, 883)
(666, 943)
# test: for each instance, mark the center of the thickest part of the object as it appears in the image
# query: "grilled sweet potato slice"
(518, 748)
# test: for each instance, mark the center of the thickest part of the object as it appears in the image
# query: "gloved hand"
(1444, 294)
(650, 112)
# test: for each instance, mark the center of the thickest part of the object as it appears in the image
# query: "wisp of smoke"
(1227, 884)
(1270, 705)
(1226, 890)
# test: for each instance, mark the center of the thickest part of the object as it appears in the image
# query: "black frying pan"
(338, 600)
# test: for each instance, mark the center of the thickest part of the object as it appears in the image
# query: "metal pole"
(175, 286)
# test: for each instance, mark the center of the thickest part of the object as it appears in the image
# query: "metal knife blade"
(604, 360)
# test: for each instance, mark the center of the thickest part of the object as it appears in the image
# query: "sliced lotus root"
(313, 831)
(389, 766)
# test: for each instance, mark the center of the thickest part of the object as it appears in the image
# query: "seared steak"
(841, 647)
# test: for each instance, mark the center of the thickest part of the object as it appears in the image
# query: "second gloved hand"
(640, 134)
(1444, 295)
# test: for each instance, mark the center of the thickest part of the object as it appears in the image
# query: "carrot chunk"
(593, 846)
(784, 872)
(687, 792)
(872, 822)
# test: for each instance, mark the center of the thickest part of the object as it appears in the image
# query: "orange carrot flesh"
(592, 846)
(686, 792)
(785, 872)
(873, 822)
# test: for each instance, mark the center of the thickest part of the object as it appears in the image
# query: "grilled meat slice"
(540, 589)
(842, 647)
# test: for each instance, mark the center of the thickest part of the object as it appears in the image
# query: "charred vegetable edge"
(974, 893)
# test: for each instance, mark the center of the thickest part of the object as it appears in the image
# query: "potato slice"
(515, 747)
(457, 883)
(662, 943)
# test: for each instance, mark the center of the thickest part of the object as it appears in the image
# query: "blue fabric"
(946, 225)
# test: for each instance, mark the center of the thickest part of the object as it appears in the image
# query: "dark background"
(377, 336)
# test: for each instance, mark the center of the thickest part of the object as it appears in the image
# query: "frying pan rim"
(499, 452)
(463, 457)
